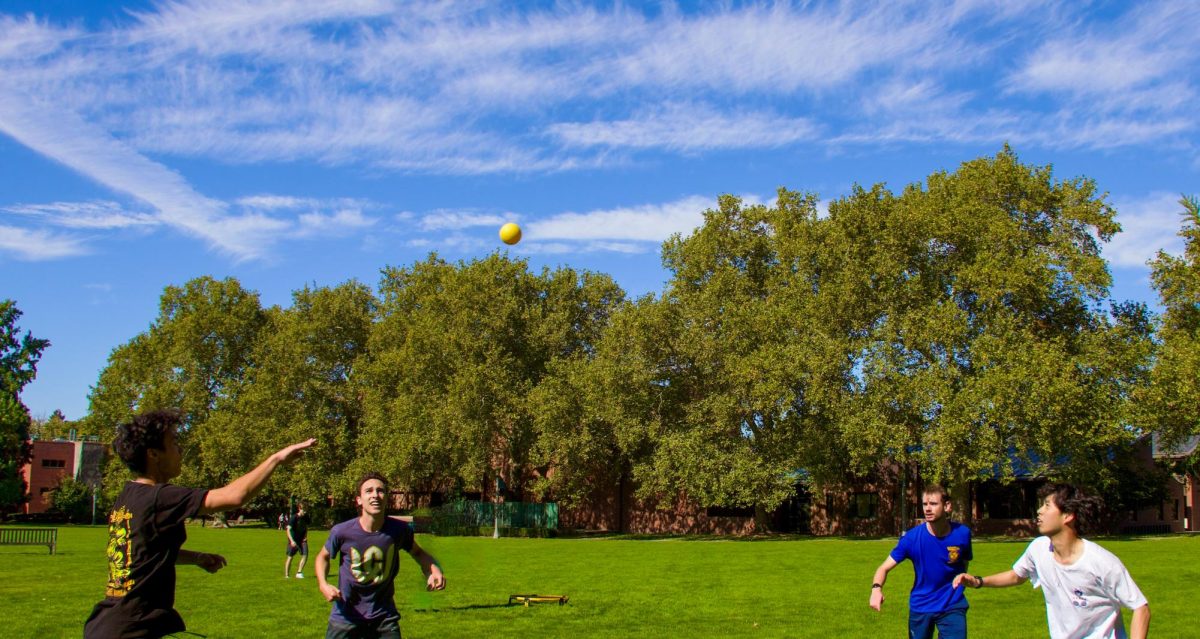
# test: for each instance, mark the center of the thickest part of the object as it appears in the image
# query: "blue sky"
(289, 143)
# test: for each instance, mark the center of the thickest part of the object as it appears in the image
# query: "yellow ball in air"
(510, 233)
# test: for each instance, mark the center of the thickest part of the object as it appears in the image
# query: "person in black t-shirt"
(297, 534)
(146, 528)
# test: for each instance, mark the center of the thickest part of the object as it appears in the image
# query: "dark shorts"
(951, 624)
(386, 628)
(301, 548)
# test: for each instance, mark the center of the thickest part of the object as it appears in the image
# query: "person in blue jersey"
(364, 605)
(940, 550)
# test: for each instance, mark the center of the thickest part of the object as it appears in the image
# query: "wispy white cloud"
(343, 222)
(67, 138)
(643, 223)
(447, 219)
(686, 127)
(84, 215)
(1148, 224)
(38, 244)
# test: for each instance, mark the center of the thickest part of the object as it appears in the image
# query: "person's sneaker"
(299, 575)
(286, 577)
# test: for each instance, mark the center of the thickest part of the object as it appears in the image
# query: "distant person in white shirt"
(1085, 585)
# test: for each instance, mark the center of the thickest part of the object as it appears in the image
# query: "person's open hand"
(290, 453)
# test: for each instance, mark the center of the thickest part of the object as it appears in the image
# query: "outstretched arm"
(434, 579)
(998, 580)
(205, 560)
(241, 490)
(881, 573)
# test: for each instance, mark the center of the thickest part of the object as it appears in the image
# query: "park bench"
(30, 537)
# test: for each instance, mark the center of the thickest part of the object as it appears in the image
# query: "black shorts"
(301, 548)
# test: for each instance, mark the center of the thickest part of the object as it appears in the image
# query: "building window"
(864, 505)
(1162, 511)
(1176, 509)
(829, 504)
(54, 463)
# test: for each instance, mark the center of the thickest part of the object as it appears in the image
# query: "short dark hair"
(142, 433)
(368, 477)
(1072, 500)
(936, 489)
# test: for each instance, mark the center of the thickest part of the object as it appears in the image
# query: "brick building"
(54, 459)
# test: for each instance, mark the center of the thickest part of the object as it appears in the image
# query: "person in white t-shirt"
(1085, 585)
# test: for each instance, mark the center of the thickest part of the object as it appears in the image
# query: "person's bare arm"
(321, 563)
(241, 490)
(434, 579)
(998, 580)
(206, 560)
(880, 578)
(1139, 626)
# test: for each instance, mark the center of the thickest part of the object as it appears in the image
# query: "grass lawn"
(672, 587)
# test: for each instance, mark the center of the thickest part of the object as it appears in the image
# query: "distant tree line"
(963, 325)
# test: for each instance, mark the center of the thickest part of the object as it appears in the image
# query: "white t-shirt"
(1083, 600)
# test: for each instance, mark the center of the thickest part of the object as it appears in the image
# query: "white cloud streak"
(455, 220)
(645, 223)
(39, 245)
(1148, 224)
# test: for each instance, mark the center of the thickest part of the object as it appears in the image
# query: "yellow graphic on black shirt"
(119, 553)
(371, 566)
(953, 550)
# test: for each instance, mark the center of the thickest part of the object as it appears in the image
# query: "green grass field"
(619, 587)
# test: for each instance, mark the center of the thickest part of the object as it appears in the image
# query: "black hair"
(1072, 500)
(143, 432)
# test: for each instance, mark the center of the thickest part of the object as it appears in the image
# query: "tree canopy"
(19, 356)
(962, 326)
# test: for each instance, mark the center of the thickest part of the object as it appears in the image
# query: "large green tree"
(19, 356)
(1173, 402)
(990, 340)
(457, 354)
(305, 383)
(959, 326)
(193, 357)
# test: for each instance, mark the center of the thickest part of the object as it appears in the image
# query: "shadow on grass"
(474, 607)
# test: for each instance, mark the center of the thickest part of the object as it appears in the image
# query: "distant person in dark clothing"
(297, 534)
(146, 528)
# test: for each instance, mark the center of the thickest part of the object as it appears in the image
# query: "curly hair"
(143, 432)
(1072, 500)
(368, 477)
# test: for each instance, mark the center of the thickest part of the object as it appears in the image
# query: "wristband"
(978, 582)
(874, 586)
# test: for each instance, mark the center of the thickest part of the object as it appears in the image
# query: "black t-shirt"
(299, 525)
(145, 533)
